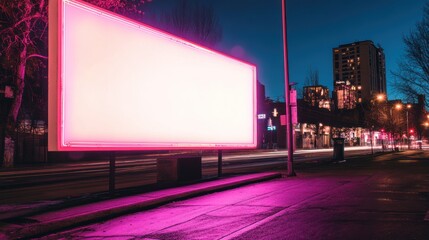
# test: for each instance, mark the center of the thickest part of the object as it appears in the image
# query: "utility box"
(179, 168)
(338, 149)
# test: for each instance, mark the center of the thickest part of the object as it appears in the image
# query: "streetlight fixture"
(397, 106)
(381, 97)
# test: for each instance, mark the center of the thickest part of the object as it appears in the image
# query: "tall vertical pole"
(372, 144)
(112, 168)
(408, 132)
(392, 141)
(219, 163)
(289, 135)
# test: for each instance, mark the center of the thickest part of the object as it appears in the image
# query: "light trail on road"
(68, 180)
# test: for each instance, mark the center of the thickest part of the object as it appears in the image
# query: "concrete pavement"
(47, 186)
(365, 197)
(52, 221)
(382, 198)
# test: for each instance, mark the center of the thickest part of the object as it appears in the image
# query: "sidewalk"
(43, 223)
(380, 197)
(42, 180)
(363, 198)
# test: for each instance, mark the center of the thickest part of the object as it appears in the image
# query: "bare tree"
(25, 27)
(412, 78)
(312, 78)
(192, 20)
(387, 117)
(24, 30)
(23, 45)
(129, 8)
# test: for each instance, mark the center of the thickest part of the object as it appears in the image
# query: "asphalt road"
(382, 198)
(71, 180)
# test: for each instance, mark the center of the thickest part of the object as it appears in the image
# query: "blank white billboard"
(115, 84)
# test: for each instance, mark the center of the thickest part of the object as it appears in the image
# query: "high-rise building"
(362, 67)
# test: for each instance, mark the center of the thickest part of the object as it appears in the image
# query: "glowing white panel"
(122, 85)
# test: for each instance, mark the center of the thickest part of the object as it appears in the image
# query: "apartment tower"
(359, 73)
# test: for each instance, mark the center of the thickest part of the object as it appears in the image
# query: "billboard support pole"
(289, 129)
(219, 163)
(112, 169)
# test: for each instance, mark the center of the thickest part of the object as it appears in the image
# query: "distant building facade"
(345, 96)
(262, 112)
(317, 96)
(361, 67)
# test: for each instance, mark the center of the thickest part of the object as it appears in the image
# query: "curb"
(53, 221)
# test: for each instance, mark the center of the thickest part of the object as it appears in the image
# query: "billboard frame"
(55, 116)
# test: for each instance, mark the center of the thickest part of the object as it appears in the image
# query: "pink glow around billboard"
(115, 84)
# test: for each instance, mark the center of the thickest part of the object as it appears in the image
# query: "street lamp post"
(408, 130)
(398, 106)
(426, 124)
(392, 141)
(289, 133)
(381, 98)
(407, 109)
(372, 144)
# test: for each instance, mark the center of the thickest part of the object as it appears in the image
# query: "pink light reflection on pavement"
(218, 215)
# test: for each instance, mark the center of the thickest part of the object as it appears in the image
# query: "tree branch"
(36, 55)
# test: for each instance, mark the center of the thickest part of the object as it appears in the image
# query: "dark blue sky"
(252, 31)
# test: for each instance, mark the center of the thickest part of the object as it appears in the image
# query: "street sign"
(8, 92)
(294, 111)
(292, 97)
(294, 114)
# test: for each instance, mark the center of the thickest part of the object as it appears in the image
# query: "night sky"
(252, 31)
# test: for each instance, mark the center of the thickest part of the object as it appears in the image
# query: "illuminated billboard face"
(115, 84)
